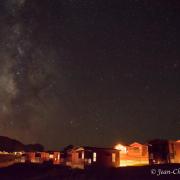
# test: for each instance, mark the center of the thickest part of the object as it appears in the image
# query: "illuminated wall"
(135, 154)
(164, 151)
(177, 152)
(92, 156)
(174, 151)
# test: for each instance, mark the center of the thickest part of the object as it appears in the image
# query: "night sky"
(89, 72)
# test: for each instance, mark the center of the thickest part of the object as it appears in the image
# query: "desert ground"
(48, 172)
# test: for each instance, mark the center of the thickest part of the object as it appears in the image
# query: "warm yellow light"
(113, 157)
(94, 157)
(58, 157)
(82, 155)
(121, 148)
(51, 156)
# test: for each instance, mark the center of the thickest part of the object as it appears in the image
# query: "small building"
(83, 157)
(135, 154)
(41, 157)
(33, 157)
(164, 151)
(57, 158)
(51, 156)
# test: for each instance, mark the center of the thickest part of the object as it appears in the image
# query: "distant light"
(89, 161)
(51, 156)
(82, 155)
(94, 157)
(58, 156)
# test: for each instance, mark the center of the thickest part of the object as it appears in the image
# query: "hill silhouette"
(10, 145)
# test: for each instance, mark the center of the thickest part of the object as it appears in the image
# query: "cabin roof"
(94, 148)
(136, 144)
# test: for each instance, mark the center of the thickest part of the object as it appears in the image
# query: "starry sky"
(89, 72)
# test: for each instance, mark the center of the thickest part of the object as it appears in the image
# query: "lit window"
(82, 155)
(89, 161)
(94, 157)
(113, 157)
(58, 156)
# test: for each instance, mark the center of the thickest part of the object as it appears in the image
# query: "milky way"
(24, 78)
(89, 72)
